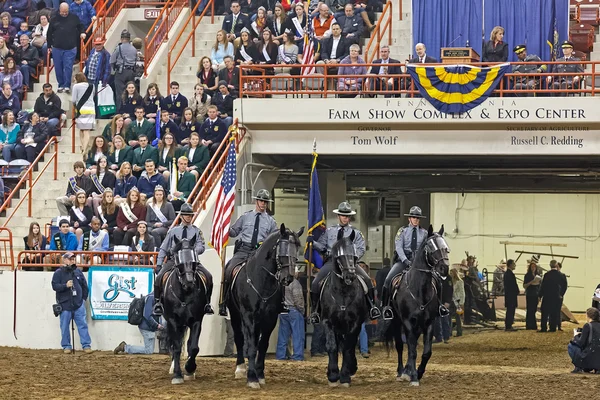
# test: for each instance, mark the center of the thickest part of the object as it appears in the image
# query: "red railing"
(159, 32)
(28, 178)
(53, 259)
(195, 21)
(383, 25)
(7, 257)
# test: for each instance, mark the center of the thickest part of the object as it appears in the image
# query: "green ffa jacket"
(199, 159)
(125, 154)
(166, 162)
(139, 159)
(134, 131)
(186, 184)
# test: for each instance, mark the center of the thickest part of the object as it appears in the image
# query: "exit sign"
(151, 13)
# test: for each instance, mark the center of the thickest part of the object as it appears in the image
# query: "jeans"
(318, 340)
(63, 65)
(442, 328)
(28, 153)
(26, 72)
(574, 353)
(291, 323)
(363, 340)
(65, 327)
(147, 348)
(228, 121)
(7, 151)
(51, 124)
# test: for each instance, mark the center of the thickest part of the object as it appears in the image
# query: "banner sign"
(112, 289)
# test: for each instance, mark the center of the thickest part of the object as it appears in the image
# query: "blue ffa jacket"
(214, 131)
(64, 295)
(176, 106)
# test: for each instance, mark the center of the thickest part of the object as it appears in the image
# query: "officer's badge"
(178, 104)
(216, 128)
(193, 128)
(134, 102)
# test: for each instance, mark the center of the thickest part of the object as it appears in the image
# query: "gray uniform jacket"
(125, 55)
(244, 226)
(567, 68)
(176, 232)
(404, 238)
(328, 239)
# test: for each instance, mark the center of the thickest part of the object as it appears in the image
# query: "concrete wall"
(483, 220)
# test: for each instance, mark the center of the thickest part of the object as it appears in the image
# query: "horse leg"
(427, 340)
(400, 374)
(333, 371)
(251, 342)
(349, 364)
(410, 369)
(177, 342)
(263, 345)
(193, 349)
(238, 337)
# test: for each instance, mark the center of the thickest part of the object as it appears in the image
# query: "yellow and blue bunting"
(456, 88)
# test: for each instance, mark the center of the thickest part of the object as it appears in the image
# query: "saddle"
(168, 275)
(322, 284)
(236, 271)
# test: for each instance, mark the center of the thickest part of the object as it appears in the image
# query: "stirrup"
(388, 313)
(444, 310)
(315, 318)
(158, 309)
(208, 310)
(374, 313)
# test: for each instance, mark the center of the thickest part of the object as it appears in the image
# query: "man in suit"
(213, 130)
(382, 81)
(352, 24)
(333, 50)
(550, 294)
(224, 102)
(175, 103)
(566, 82)
(511, 294)
(140, 126)
(420, 58)
(167, 125)
(235, 22)
(185, 184)
(143, 153)
(230, 74)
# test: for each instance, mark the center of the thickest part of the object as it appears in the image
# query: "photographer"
(147, 327)
(71, 289)
(584, 349)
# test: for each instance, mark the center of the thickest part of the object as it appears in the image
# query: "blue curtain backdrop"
(436, 23)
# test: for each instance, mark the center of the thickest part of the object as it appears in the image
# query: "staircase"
(401, 46)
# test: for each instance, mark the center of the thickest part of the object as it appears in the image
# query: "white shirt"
(191, 153)
(334, 47)
(383, 70)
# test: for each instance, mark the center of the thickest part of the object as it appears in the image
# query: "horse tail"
(388, 334)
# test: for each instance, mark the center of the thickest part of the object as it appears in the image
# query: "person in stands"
(63, 240)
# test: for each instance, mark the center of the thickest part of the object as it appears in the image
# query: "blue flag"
(316, 218)
(157, 129)
(456, 88)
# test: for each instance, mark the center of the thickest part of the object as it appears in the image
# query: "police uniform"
(527, 82)
(180, 232)
(325, 244)
(244, 229)
(123, 62)
(567, 82)
(404, 250)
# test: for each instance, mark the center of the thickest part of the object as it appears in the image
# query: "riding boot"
(387, 311)
(374, 312)
(314, 301)
(208, 310)
(223, 305)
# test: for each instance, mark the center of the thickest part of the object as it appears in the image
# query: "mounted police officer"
(408, 240)
(325, 244)
(252, 228)
(183, 231)
(566, 82)
(123, 61)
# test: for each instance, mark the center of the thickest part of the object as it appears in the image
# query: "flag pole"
(222, 257)
(310, 253)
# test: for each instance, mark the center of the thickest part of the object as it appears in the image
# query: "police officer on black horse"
(324, 245)
(252, 228)
(183, 231)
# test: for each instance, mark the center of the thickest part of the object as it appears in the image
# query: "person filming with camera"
(584, 348)
(71, 289)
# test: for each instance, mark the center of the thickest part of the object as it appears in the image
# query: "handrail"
(48, 66)
(52, 259)
(399, 9)
(28, 176)
(73, 132)
(192, 35)
(159, 32)
(379, 33)
(7, 256)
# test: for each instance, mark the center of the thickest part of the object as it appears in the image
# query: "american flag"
(308, 56)
(225, 202)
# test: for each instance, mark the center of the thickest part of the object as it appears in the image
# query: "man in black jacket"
(9, 100)
(385, 81)
(235, 22)
(26, 56)
(511, 293)
(231, 75)
(352, 24)
(213, 130)
(224, 102)
(551, 299)
(47, 105)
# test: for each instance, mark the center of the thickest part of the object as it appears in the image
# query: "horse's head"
(287, 254)
(436, 252)
(344, 256)
(186, 260)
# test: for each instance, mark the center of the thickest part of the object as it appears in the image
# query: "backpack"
(135, 316)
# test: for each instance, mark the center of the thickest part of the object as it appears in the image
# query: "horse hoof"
(415, 383)
(262, 381)
(334, 384)
(189, 377)
(345, 385)
(177, 381)
(403, 378)
(254, 385)
(240, 371)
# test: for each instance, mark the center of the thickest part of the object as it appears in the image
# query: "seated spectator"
(277, 23)
(566, 82)
(224, 103)
(28, 59)
(185, 184)
(167, 125)
(235, 22)
(130, 212)
(287, 54)
(31, 139)
(199, 102)
(249, 8)
(230, 75)
(99, 149)
(321, 23)
(212, 132)
(130, 99)
(267, 51)
(147, 327)
(115, 127)
(334, 50)
(80, 215)
(259, 24)
(84, 10)
(107, 211)
(584, 349)
(39, 36)
(143, 153)
(9, 101)
(152, 101)
(352, 24)
(35, 15)
(102, 177)
(188, 125)
(7, 31)
(246, 53)
(175, 103)
(141, 241)
(4, 51)
(352, 65)
(23, 30)
(8, 135)
(10, 74)
(18, 10)
(160, 215)
(167, 152)
(207, 77)
(197, 155)
(76, 183)
(139, 126)
(528, 82)
(149, 179)
(125, 181)
(34, 241)
(221, 48)
(296, 23)
(64, 239)
(120, 154)
(95, 239)
(380, 79)
(48, 106)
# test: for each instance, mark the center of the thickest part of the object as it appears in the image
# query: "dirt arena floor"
(489, 364)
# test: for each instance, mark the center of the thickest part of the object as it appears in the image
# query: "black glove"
(408, 263)
(310, 239)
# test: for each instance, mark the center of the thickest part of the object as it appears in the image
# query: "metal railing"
(27, 178)
(194, 21)
(383, 25)
(259, 81)
(7, 257)
(53, 259)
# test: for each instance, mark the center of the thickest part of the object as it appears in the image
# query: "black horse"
(185, 296)
(256, 300)
(343, 309)
(417, 304)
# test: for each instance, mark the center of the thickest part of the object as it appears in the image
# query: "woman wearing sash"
(287, 54)
(152, 101)
(107, 211)
(267, 51)
(197, 154)
(246, 54)
(207, 77)
(130, 99)
(125, 182)
(167, 151)
(142, 240)
(278, 23)
(297, 24)
(83, 100)
(99, 149)
(34, 241)
(259, 25)
(116, 127)
(188, 126)
(102, 178)
(120, 154)
(80, 215)
(199, 103)
(130, 212)
(160, 215)
(31, 139)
